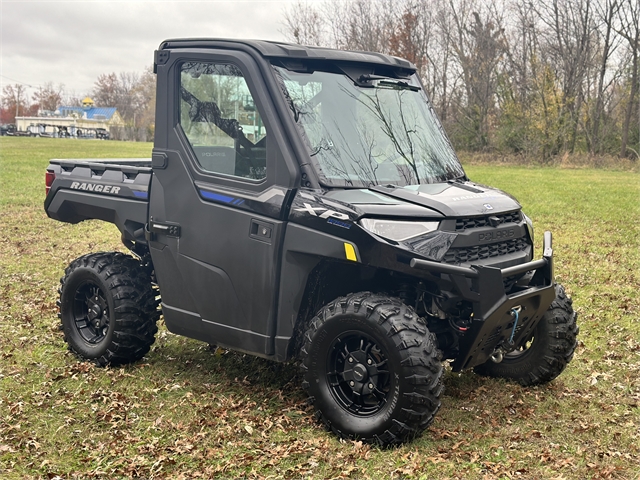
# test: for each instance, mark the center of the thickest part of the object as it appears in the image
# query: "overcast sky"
(72, 42)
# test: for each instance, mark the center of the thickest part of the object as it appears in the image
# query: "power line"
(21, 83)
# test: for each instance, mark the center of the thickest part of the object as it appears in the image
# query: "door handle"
(262, 231)
(159, 228)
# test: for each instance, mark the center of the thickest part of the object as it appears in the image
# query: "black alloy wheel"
(372, 369)
(91, 313)
(108, 308)
(358, 373)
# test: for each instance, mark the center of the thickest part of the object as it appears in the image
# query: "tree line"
(132, 94)
(537, 78)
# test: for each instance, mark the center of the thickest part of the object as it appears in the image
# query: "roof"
(93, 113)
(269, 49)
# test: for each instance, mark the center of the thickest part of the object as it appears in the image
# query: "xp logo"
(326, 213)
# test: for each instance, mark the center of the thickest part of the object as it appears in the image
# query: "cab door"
(222, 178)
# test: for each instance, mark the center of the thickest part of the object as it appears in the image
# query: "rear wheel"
(544, 355)
(372, 369)
(108, 308)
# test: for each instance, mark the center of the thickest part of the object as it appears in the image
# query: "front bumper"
(492, 324)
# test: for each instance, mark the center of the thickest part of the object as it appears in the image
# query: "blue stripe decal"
(140, 194)
(216, 196)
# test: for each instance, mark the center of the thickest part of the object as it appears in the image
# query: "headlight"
(529, 225)
(397, 231)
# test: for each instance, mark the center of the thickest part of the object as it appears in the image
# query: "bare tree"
(14, 99)
(361, 24)
(48, 97)
(145, 92)
(517, 93)
(304, 25)
(479, 45)
(72, 99)
(569, 35)
(123, 92)
(542, 78)
(606, 12)
(407, 38)
(106, 90)
(129, 99)
(445, 78)
(629, 15)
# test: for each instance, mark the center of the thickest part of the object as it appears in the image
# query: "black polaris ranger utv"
(306, 203)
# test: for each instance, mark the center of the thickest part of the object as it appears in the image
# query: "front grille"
(463, 224)
(481, 252)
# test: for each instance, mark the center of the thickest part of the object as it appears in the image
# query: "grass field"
(186, 412)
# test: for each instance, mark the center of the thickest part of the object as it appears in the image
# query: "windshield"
(382, 133)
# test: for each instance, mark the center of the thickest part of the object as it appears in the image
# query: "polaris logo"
(95, 187)
(499, 235)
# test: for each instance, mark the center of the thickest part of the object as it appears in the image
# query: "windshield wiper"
(367, 80)
(399, 85)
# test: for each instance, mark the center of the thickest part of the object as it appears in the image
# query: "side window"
(221, 121)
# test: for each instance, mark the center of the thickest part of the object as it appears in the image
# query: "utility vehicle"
(305, 203)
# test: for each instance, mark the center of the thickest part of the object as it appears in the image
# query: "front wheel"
(108, 308)
(372, 369)
(543, 356)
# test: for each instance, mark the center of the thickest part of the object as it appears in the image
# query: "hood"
(453, 199)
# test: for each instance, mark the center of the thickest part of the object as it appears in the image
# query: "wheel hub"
(359, 379)
(360, 372)
(94, 312)
(90, 313)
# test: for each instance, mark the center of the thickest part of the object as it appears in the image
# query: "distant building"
(75, 121)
